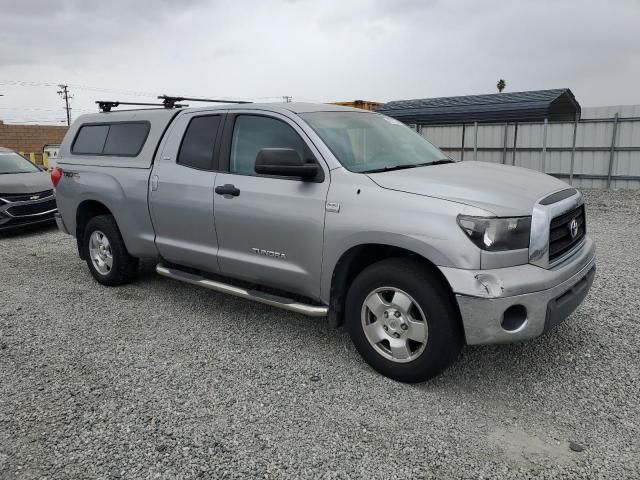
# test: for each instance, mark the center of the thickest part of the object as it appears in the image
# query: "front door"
(181, 186)
(270, 229)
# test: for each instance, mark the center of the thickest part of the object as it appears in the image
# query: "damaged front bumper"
(517, 303)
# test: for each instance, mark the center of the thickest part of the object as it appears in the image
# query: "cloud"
(320, 50)
(43, 32)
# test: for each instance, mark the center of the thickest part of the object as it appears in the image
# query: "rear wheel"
(402, 320)
(105, 252)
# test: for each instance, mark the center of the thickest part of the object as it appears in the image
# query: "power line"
(88, 88)
(64, 89)
(24, 83)
(141, 93)
(35, 109)
(32, 120)
(135, 93)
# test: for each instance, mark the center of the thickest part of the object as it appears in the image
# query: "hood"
(502, 190)
(25, 182)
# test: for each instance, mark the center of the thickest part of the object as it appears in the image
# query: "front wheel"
(402, 320)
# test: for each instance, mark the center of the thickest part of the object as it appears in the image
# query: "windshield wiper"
(439, 162)
(390, 168)
(412, 165)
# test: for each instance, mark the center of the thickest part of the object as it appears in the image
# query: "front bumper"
(17, 224)
(517, 303)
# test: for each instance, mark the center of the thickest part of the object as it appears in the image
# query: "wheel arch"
(87, 209)
(357, 258)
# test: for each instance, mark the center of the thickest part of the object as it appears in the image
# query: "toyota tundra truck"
(328, 211)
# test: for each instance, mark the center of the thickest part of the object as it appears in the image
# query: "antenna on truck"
(107, 105)
(170, 102)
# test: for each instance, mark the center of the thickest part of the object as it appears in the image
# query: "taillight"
(56, 175)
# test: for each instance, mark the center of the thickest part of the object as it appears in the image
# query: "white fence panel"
(444, 137)
(529, 159)
(490, 136)
(628, 134)
(530, 135)
(594, 134)
(559, 135)
(550, 148)
(559, 163)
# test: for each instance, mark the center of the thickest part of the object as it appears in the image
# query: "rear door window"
(121, 139)
(198, 143)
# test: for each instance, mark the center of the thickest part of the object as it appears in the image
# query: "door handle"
(154, 183)
(228, 189)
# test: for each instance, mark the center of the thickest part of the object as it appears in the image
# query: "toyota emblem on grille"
(573, 228)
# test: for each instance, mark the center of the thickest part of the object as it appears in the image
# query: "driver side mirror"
(285, 162)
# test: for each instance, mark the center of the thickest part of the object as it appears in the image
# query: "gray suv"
(329, 211)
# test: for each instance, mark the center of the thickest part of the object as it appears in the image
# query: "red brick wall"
(30, 138)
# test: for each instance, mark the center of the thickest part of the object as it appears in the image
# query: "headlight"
(497, 234)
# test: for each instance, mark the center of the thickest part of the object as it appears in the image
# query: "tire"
(403, 285)
(111, 266)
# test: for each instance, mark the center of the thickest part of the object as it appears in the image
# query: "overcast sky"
(312, 50)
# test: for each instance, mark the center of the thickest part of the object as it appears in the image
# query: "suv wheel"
(105, 252)
(402, 320)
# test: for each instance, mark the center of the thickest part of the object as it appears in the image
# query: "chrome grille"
(35, 208)
(561, 239)
(25, 197)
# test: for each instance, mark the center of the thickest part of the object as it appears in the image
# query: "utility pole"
(64, 93)
(287, 98)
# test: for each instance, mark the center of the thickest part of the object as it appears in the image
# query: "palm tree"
(501, 84)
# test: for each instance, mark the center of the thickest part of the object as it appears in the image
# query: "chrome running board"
(255, 295)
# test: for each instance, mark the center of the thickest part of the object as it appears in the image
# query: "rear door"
(181, 191)
(270, 229)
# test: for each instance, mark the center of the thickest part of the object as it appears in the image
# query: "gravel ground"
(160, 379)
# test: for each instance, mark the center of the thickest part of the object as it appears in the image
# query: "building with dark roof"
(534, 106)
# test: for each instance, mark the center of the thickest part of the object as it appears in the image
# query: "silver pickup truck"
(329, 211)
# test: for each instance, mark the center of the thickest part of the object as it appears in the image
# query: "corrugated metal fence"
(602, 150)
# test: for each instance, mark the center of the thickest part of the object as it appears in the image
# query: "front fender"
(369, 214)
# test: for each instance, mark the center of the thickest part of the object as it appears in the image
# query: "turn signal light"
(56, 176)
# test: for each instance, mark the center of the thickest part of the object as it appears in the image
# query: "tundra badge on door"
(269, 253)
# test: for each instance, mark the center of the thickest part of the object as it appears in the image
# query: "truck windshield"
(11, 162)
(369, 142)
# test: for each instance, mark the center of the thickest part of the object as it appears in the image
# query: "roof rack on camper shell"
(167, 102)
(107, 105)
(170, 102)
